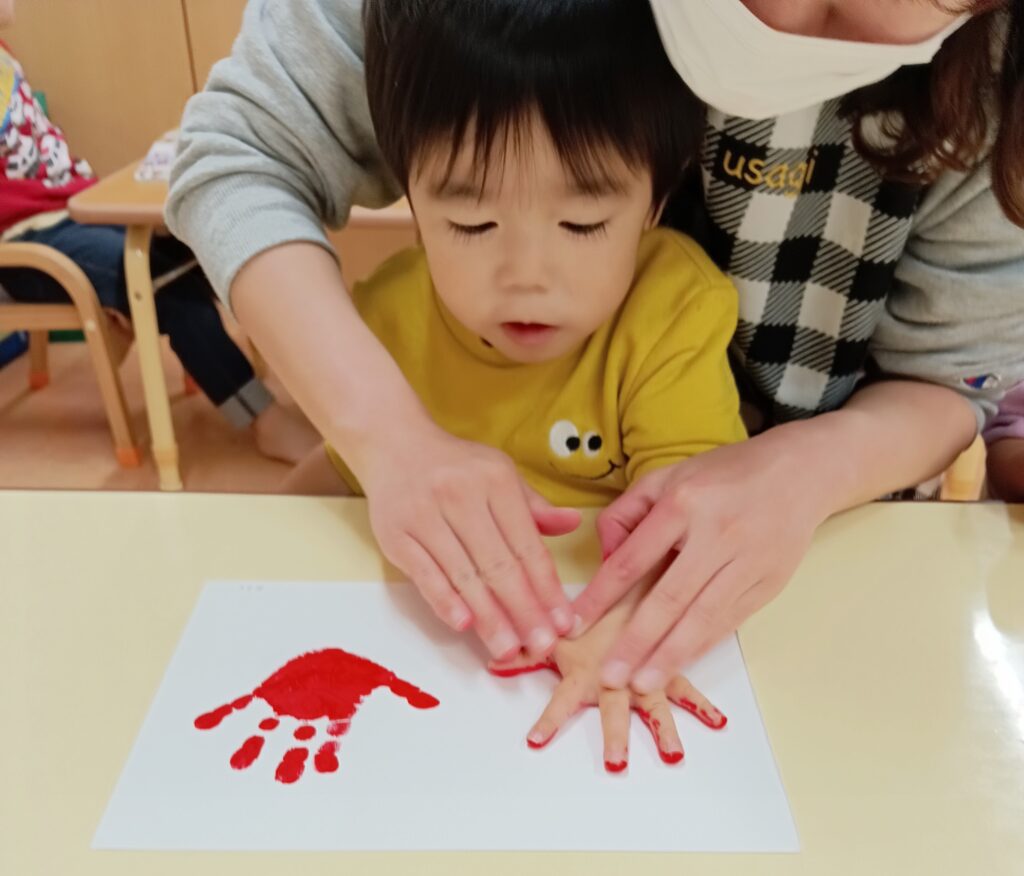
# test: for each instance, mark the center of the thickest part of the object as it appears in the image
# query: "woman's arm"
(742, 517)
(280, 142)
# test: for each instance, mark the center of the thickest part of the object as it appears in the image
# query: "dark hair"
(944, 115)
(594, 71)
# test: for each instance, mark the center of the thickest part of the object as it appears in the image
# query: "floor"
(58, 438)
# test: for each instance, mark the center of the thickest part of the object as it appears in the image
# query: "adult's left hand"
(734, 524)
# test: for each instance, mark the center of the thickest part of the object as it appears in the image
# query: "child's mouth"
(527, 333)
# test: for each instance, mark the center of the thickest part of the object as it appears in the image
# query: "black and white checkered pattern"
(810, 234)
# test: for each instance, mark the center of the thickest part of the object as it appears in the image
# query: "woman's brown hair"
(944, 115)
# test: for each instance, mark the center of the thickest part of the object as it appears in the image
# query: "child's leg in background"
(186, 312)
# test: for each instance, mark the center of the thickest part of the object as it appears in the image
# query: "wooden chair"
(84, 313)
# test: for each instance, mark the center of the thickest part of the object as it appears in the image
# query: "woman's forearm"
(889, 436)
(293, 303)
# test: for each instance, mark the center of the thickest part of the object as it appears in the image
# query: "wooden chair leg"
(964, 479)
(101, 349)
(147, 343)
(39, 368)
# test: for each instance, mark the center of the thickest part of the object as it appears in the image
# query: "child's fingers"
(566, 701)
(654, 711)
(614, 705)
(687, 697)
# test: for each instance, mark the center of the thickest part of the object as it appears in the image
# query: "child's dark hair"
(594, 71)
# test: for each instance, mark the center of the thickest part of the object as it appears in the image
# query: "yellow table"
(890, 674)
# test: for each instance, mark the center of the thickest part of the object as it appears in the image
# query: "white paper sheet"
(458, 776)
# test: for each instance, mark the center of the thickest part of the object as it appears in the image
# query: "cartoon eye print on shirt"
(579, 455)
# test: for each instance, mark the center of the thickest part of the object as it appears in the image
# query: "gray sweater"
(280, 143)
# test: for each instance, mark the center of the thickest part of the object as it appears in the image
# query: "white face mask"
(739, 65)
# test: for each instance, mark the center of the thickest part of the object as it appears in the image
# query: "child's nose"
(524, 265)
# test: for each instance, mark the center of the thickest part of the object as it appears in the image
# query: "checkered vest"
(810, 234)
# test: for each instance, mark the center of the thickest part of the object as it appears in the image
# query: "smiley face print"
(578, 453)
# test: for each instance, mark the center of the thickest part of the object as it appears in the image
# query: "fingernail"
(715, 718)
(616, 674)
(616, 763)
(504, 645)
(563, 619)
(577, 626)
(540, 641)
(670, 757)
(536, 739)
(648, 680)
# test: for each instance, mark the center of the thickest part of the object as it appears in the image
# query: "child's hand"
(578, 662)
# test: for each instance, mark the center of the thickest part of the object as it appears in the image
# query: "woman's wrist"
(814, 461)
(889, 436)
(374, 426)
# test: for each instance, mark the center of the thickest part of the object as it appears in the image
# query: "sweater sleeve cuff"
(254, 214)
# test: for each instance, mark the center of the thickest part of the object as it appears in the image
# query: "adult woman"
(868, 223)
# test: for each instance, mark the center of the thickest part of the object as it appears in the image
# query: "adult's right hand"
(457, 518)
(454, 516)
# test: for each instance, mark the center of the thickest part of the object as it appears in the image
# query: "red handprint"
(321, 684)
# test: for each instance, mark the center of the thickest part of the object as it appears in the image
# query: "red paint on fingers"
(539, 743)
(715, 720)
(654, 725)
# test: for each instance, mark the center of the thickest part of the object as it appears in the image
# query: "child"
(38, 175)
(545, 314)
(1004, 438)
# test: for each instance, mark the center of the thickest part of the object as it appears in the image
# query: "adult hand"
(733, 524)
(458, 519)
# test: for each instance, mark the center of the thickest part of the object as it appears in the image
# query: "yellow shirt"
(650, 387)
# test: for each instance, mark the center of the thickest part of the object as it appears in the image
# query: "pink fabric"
(1009, 422)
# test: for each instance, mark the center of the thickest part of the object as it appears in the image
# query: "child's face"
(533, 266)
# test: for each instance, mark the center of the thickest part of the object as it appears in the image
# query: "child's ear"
(654, 217)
